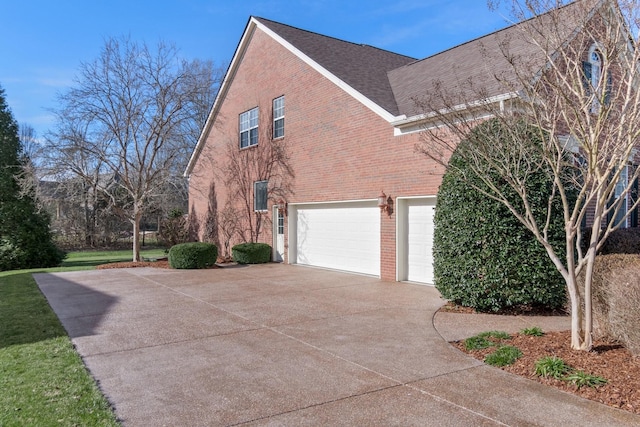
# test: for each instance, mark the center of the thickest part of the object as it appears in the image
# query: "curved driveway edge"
(284, 345)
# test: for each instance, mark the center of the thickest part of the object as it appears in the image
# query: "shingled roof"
(471, 68)
(362, 67)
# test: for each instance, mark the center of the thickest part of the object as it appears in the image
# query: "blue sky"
(43, 42)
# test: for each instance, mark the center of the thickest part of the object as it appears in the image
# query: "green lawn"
(43, 381)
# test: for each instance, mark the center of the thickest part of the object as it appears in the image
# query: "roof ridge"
(493, 33)
(262, 19)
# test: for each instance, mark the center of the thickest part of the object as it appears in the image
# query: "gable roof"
(389, 83)
(361, 66)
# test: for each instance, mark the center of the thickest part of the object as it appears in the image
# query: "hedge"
(193, 255)
(251, 253)
(483, 256)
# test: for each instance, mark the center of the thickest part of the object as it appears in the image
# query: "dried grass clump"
(616, 298)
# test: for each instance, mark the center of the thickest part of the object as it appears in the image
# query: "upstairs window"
(593, 70)
(249, 128)
(278, 117)
(260, 196)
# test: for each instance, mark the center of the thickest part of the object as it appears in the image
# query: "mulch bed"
(608, 360)
(155, 264)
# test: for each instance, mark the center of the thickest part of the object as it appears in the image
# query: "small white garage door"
(420, 240)
(342, 236)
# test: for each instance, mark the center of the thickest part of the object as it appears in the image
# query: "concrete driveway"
(283, 345)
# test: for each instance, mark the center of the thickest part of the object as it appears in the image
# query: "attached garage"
(415, 239)
(342, 236)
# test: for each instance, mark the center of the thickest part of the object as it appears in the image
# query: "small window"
(280, 223)
(249, 128)
(260, 196)
(278, 117)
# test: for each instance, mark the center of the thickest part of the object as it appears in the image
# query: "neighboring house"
(348, 116)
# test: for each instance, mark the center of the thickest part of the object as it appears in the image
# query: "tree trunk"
(137, 215)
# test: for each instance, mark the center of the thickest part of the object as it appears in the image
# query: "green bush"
(251, 253)
(193, 255)
(483, 256)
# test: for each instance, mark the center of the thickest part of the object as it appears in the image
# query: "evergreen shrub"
(193, 255)
(483, 256)
(251, 253)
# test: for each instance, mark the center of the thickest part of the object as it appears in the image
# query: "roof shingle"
(362, 67)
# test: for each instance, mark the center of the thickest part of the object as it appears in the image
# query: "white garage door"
(343, 236)
(420, 240)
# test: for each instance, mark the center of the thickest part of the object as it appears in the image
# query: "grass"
(42, 379)
(551, 366)
(482, 340)
(555, 367)
(503, 356)
(533, 331)
(581, 379)
(90, 259)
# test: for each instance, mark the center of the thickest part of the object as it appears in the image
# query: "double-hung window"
(249, 128)
(278, 117)
(621, 186)
(260, 196)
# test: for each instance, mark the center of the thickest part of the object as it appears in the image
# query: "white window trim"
(255, 196)
(245, 126)
(276, 117)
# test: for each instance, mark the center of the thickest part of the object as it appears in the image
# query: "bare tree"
(573, 73)
(267, 161)
(127, 126)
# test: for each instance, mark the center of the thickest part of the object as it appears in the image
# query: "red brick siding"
(340, 149)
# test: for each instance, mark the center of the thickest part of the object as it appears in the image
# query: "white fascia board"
(415, 123)
(330, 76)
(222, 93)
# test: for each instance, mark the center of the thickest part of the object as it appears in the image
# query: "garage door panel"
(420, 240)
(340, 236)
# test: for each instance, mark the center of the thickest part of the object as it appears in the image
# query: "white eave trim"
(404, 124)
(327, 74)
(235, 63)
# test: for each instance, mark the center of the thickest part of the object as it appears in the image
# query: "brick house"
(346, 114)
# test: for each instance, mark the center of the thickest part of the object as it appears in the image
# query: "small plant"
(499, 335)
(484, 340)
(503, 356)
(477, 343)
(533, 331)
(551, 366)
(581, 379)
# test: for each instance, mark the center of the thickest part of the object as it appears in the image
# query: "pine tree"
(25, 237)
